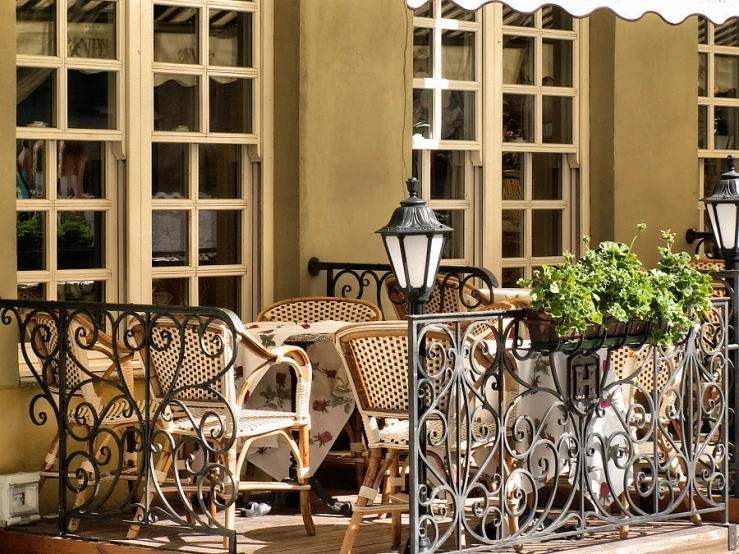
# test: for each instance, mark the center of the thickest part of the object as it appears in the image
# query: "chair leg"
(396, 516)
(304, 449)
(161, 468)
(369, 479)
(51, 458)
(230, 516)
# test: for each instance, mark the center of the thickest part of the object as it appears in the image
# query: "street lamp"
(414, 240)
(723, 212)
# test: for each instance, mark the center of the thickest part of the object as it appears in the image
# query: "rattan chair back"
(445, 297)
(321, 308)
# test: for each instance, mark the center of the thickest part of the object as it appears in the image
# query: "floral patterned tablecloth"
(331, 398)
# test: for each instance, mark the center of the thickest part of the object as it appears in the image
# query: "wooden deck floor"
(284, 533)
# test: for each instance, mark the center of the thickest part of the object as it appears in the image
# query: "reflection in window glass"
(35, 91)
(91, 32)
(81, 291)
(219, 237)
(220, 171)
(448, 174)
(176, 99)
(702, 30)
(427, 10)
(726, 76)
(556, 62)
(457, 56)
(423, 112)
(703, 74)
(513, 185)
(170, 238)
(554, 17)
(230, 41)
(223, 292)
(30, 233)
(31, 291)
(35, 28)
(557, 119)
(80, 240)
(546, 233)
(30, 169)
(510, 276)
(712, 170)
(170, 292)
(513, 232)
(726, 34)
(547, 176)
(518, 60)
(513, 163)
(91, 102)
(517, 19)
(518, 118)
(416, 164)
(450, 10)
(457, 115)
(702, 126)
(422, 61)
(726, 125)
(176, 34)
(170, 162)
(81, 169)
(230, 105)
(454, 245)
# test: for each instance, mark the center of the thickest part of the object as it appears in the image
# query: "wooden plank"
(21, 543)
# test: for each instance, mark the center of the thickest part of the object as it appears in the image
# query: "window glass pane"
(31, 291)
(31, 246)
(222, 292)
(35, 91)
(220, 237)
(510, 276)
(231, 38)
(176, 34)
(416, 163)
(557, 119)
(457, 56)
(712, 170)
(176, 102)
(81, 169)
(91, 102)
(170, 292)
(556, 63)
(702, 126)
(518, 60)
(702, 30)
(81, 291)
(547, 176)
(230, 105)
(80, 240)
(454, 245)
(546, 233)
(554, 17)
(517, 19)
(513, 162)
(450, 10)
(457, 115)
(448, 174)
(170, 238)
(513, 185)
(726, 34)
(30, 169)
(170, 163)
(36, 28)
(726, 77)
(427, 10)
(91, 30)
(220, 171)
(703, 75)
(725, 127)
(513, 230)
(423, 112)
(518, 118)
(422, 47)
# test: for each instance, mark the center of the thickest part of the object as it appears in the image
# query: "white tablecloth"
(331, 399)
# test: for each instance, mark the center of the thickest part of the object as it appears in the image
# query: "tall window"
(470, 72)
(718, 103)
(68, 117)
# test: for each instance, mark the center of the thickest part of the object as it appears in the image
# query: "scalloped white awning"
(672, 11)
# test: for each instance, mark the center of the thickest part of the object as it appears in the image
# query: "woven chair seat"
(395, 433)
(251, 422)
(117, 413)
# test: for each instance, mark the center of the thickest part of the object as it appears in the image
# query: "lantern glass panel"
(416, 250)
(726, 215)
(392, 242)
(437, 242)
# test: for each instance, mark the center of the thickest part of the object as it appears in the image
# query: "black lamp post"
(723, 212)
(414, 240)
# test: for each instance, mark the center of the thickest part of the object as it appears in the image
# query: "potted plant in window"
(74, 244)
(29, 236)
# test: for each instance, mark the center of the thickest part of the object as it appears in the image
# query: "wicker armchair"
(375, 356)
(197, 382)
(445, 297)
(86, 417)
(311, 309)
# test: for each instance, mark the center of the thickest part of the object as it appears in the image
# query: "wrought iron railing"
(111, 440)
(513, 444)
(460, 285)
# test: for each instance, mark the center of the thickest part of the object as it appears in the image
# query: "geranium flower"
(605, 490)
(319, 406)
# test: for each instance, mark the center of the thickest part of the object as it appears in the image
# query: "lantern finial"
(731, 161)
(412, 185)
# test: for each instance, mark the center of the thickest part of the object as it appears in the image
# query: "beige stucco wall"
(644, 147)
(354, 128)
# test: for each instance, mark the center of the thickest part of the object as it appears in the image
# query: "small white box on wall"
(18, 499)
